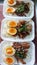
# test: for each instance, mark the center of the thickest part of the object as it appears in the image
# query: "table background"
(35, 40)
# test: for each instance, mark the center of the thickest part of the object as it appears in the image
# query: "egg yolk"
(9, 60)
(12, 24)
(9, 10)
(12, 31)
(10, 1)
(9, 51)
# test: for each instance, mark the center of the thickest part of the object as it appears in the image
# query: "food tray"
(30, 56)
(30, 14)
(16, 39)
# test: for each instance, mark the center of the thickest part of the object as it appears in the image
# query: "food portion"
(12, 31)
(21, 51)
(19, 8)
(9, 60)
(11, 2)
(16, 51)
(10, 10)
(22, 8)
(12, 24)
(24, 29)
(9, 51)
(20, 28)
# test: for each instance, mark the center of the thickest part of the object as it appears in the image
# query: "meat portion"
(23, 28)
(16, 45)
(25, 45)
(20, 60)
(26, 7)
(22, 8)
(21, 51)
(23, 34)
(20, 23)
(29, 27)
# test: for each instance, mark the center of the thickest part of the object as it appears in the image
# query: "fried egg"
(10, 10)
(11, 2)
(12, 23)
(11, 31)
(9, 60)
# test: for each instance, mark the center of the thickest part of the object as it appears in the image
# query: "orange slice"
(12, 31)
(12, 24)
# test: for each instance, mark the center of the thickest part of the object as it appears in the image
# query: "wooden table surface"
(34, 18)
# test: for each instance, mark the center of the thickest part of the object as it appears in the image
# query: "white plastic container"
(16, 39)
(29, 15)
(30, 60)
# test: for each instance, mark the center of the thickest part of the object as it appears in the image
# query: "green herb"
(22, 28)
(20, 54)
(20, 8)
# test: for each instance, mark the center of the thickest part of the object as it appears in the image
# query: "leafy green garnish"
(20, 54)
(20, 8)
(22, 28)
